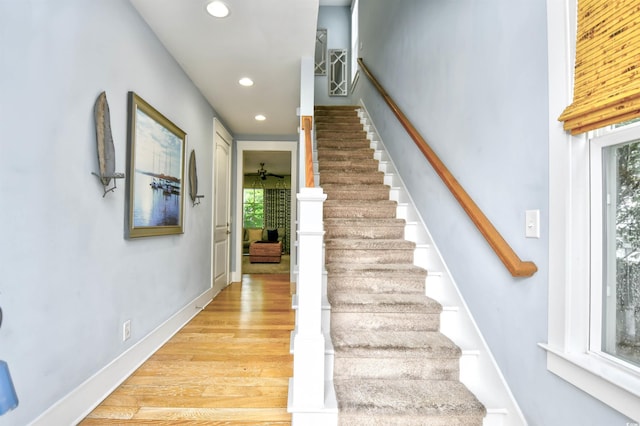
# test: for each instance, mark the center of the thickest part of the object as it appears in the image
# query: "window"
(338, 72)
(253, 208)
(576, 349)
(321, 52)
(615, 251)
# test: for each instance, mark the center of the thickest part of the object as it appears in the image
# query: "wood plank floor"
(230, 365)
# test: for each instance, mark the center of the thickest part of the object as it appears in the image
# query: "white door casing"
(263, 146)
(221, 207)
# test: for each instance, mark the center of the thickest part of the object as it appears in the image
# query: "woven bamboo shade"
(607, 71)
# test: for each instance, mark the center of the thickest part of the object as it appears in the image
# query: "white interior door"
(222, 211)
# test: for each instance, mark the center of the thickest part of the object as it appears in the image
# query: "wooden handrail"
(509, 258)
(307, 121)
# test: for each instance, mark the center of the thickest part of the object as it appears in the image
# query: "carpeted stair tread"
(335, 107)
(344, 126)
(345, 151)
(369, 251)
(330, 116)
(368, 244)
(392, 221)
(344, 117)
(346, 135)
(364, 209)
(400, 284)
(323, 110)
(361, 203)
(414, 368)
(340, 128)
(381, 302)
(402, 402)
(351, 178)
(359, 228)
(355, 186)
(328, 154)
(362, 178)
(356, 192)
(341, 134)
(342, 144)
(348, 143)
(375, 278)
(399, 343)
(357, 195)
(347, 173)
(374, 269)
(370, 204)
(363, 187)
(346, 165)
(370, 256)
(345, 113)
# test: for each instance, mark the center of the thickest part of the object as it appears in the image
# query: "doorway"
(265, 169)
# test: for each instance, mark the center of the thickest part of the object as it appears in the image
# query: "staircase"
(392, 366)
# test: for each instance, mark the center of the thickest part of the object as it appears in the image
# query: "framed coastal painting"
(156, 153)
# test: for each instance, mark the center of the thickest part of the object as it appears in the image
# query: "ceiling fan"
(263, 173)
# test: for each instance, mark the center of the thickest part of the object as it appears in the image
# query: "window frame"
(569, 354)
(599, 141)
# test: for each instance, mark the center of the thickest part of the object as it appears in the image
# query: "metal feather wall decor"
(193, 180)
(104, 145)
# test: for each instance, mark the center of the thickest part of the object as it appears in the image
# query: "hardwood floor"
(230, 365)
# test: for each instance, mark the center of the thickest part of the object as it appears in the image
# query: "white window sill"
(611, 383)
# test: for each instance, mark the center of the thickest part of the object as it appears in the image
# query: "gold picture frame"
(155, 159)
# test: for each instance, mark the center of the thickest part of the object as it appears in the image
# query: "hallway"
(229, 365)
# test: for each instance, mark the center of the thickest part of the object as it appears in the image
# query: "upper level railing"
(307, 125)
(509, 258)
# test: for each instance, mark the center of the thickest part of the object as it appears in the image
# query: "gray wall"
(337, 21)
(68, 278)
(472, 76)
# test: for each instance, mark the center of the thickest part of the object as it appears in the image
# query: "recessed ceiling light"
(246, 81)
(218, 9)
(260, 117)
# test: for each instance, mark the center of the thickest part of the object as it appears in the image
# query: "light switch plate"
(532, 224)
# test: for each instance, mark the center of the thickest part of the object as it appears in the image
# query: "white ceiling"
(260, 39)
(277, 162)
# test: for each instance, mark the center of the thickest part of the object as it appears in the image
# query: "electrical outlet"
(126, 330)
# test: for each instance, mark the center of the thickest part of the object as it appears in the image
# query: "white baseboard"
(72, 408)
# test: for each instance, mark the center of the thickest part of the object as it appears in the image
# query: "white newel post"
(309, 344)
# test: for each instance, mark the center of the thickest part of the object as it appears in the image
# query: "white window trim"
(602, 139)
(355, 44)
(568, 353)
